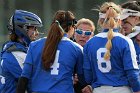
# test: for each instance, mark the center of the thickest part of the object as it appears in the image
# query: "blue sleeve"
(88, 75)
(79, 68)
(87, 66)
(27, 69)
(129, 56)
(12, 67)
(131, 66)
(2, 80)
(2, 83)
(134, 79)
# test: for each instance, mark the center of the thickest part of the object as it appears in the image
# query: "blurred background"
(45, 9)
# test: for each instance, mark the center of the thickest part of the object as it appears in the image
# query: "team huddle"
(71, 59)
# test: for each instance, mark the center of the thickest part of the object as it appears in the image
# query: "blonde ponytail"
(110, 14)
(109, 44)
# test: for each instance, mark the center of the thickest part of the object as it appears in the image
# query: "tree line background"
(45, 9)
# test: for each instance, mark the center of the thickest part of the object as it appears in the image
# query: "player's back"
(59, 78)
(111, 72)
(11, 60)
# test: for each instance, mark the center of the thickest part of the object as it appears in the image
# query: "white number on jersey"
(55, 65)
(101, 60)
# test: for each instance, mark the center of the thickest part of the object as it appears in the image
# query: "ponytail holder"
(56, 21)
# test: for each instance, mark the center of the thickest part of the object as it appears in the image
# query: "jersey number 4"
(107, 64)
(55, 65)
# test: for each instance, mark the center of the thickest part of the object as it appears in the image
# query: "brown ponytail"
(55, 34)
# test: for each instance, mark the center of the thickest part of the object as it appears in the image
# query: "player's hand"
(75, 79)
(137, 92)
(87, 89)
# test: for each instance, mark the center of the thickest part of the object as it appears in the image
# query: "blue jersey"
(12, 58)
(137, 48)
(59, 78)
(120, 70)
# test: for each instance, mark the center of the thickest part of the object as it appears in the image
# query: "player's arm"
(87, 66)
(26, 73)
(131, 66)
(79, 68)
(23, 80)
(22, 85)
(133, 78)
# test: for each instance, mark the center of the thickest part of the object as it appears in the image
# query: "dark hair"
(134, 5)
(61, 23)
(13, 37)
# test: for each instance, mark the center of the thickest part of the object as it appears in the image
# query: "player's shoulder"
(71, 43)
(116, 35)
(78, 45)
(124, 38)
(38, 42)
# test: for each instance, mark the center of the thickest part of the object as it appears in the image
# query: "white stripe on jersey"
(20, 57)
(67, 39)
(129, 41)
(1, 62)
(2, 80)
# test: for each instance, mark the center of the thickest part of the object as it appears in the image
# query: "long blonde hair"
(112, 11)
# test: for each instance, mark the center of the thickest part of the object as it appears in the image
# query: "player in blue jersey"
(110, 64)
(135, 36)
(130, 19)
(50, 61)
(23, 29)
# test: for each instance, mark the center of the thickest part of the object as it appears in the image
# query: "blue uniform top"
(12, 58)
(59, 78)
(137, 48)
(120, 70)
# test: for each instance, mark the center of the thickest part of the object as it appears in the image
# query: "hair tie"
(56, 21)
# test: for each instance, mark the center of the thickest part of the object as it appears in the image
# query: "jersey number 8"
(101, 61)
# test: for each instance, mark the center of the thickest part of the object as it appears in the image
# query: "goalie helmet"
(20, 21)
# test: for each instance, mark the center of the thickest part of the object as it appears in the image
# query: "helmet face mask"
(20, 21)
